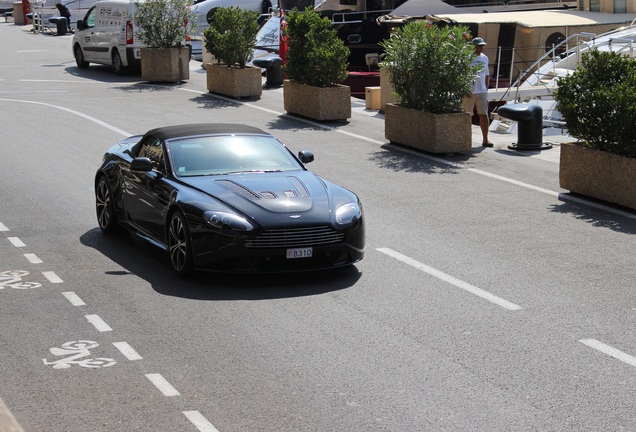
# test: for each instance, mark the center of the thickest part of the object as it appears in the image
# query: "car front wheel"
(105, 207)
(79, 58)
(179, 245)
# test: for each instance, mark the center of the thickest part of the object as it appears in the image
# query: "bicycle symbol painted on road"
(13, 279)
(77, 350)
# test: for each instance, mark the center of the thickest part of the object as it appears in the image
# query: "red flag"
(282, 43)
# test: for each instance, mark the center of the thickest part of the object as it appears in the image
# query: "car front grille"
(296, 237)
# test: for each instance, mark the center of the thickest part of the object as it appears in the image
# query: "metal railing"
(566, 49)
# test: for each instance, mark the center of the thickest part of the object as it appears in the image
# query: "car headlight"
(348, 214)
(224, 220)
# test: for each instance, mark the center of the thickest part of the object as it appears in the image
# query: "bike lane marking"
(73, 298)
(200, 422)
(162, 384)
(451, 280)
(98, 323)
(74, 353)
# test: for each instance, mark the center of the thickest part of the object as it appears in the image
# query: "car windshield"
(226, 154)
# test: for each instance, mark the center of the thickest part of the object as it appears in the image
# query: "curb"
(8, 423)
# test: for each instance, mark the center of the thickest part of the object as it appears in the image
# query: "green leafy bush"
(430, 67)
(163, 23)
(598, 102)
(232, 35)
(316, 56)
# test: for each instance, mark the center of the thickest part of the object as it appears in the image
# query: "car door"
(86, 36)
(147, 194)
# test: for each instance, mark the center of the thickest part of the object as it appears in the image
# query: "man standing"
(479, 95)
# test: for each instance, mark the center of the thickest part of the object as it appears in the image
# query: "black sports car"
(227, 197)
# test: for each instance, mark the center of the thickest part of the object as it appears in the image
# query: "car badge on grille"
(294, 216)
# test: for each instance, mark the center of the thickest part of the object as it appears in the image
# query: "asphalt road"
(488, 299)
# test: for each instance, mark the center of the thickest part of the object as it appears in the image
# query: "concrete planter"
(165, 64)
(434, 133)
(386, 90)
(234, 82)
(318, 103)
(598, 174)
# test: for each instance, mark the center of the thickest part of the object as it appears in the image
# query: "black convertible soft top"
(177, 131)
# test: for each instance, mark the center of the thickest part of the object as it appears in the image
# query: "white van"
(203, 9)
(106, 36)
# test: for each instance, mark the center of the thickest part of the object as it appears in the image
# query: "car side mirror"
(141, 164)
(305, 156)
(81, 25)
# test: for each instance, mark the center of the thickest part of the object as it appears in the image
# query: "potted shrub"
(598, 104)
(430, 70)
(230, 39)
(162, 26)
(316, 64)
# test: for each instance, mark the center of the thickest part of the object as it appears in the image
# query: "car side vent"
(241, 190)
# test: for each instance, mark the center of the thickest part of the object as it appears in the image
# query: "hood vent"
(239, 189)
(300, 186)
(269, 195)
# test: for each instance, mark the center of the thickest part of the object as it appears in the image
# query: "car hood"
(280, 192)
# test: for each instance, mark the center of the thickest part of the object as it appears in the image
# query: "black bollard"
(530, 125)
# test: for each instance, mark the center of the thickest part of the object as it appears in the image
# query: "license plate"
(300, 252)
(137, 54)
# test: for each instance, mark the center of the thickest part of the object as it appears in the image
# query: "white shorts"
(479, 100)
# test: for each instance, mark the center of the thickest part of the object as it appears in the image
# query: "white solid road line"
(610, 351)
(200, 422)
(163, 385)
(452, 280)
(99, 323)
(73, 298)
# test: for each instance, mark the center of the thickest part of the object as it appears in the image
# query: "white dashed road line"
(99, 323)
(127, 351)
(200, 422)
(52, 277)
(3, 228)
(451, 280)
(33, 259)
(163, 385)
(73, 298)
(610, 351)
(16, 242)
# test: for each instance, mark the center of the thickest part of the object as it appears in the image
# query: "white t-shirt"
(479, 84)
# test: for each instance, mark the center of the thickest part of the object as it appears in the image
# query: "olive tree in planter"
(598, 104)
(316, 64)
(162, 26)
(430, 69)
(231, 38)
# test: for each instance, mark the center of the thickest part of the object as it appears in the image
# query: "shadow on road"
(594, 216)
(150, 263)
